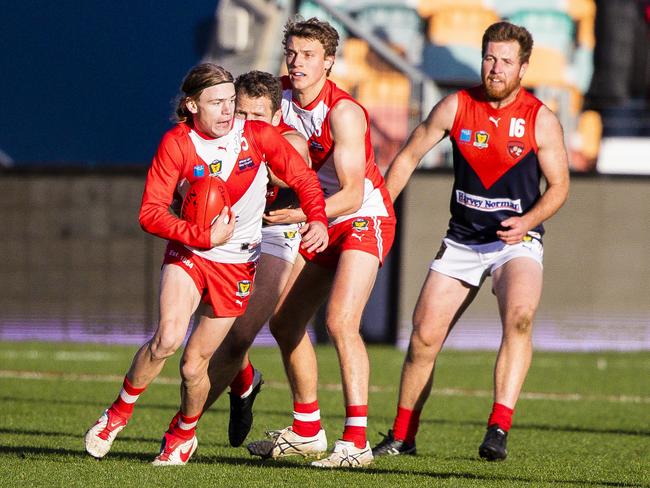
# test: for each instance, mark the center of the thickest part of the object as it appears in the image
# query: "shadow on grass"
(80, 435)
(27, 451)
(280, 464)
(557, 428)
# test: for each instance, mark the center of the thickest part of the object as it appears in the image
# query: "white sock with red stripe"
(356, 422)
(123, 404)
(306, 419)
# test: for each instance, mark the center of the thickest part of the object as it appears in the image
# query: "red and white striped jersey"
(239, 158)
(313, 122)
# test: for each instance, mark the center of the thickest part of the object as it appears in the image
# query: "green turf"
(584, 420)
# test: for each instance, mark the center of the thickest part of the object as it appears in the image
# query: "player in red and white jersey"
(211, 270)
(504, 140)
(258, 98)
(362, 227)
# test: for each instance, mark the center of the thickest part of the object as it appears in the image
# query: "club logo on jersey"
(465, 135)
(290, 234)
(199, 171)
(243, 288)
(245, 164)
(316, 146)
(515, 148)
(215, 167)
(481, 139)
(360, 225)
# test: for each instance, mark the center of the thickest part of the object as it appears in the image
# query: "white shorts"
(281, 241)
(472, 263)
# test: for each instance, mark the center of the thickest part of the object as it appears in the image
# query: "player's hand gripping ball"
(204, 201)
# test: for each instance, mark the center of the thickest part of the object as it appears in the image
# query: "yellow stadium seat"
(388, 89)
(590, 130)
(427, 8)
(460, 25)
(547, 67)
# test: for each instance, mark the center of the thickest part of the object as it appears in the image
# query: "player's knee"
(281, 333)
(342, 328)
(522, 320)
(425, 338)
(163, 346)
(193, 370)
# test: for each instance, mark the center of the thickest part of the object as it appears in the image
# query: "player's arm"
(289, 166)
(299, 144)
(554, 164)
(348, 130)
(424, 137)
(155, 217)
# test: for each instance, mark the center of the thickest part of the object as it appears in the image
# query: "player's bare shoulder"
(347, 117)
(443, 114)
(548, 130)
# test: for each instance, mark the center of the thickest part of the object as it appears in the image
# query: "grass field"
(584, 420)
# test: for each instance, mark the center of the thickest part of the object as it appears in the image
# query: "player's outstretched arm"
(424, 137)
(554, 164)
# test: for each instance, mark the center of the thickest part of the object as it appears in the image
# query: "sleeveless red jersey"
(239, 158)
(313, 122)
(497, 173)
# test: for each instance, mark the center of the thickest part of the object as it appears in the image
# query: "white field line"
(277, 385)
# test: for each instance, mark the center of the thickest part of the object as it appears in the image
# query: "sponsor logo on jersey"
(494, 120)
(215, 167)
(487, 204)
(465, 135)
(515, 148)
(243, 288)
(481, 139)
(316, 146)
(245, 164)
(360, 225)
(290, 234)
(199, 171)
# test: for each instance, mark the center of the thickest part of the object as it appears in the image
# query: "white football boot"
(286, 442)
(99, 438)
(346, 455)
(175, 451)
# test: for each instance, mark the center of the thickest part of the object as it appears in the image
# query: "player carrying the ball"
(259, 95)
(207, 270)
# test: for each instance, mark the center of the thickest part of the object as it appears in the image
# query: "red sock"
(243, 381)
(356, 421)
(123, 404)
(185, 428)
(306, 419)
(406, 424)
(501, 415)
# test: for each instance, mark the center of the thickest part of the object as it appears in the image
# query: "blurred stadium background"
(87, 92)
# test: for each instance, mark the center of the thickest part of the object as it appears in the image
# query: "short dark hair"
(504, 32)
(199, 78)
(257, 84)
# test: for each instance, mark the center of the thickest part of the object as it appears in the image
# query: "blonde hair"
(199, 78)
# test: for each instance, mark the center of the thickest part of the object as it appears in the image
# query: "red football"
(204, 201)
